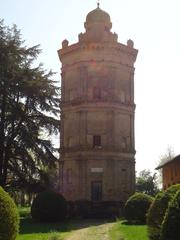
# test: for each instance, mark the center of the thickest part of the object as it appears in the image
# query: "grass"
(58, 231)
(123, 231)
(40, 231)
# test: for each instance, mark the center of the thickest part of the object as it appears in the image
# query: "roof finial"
(98, 3)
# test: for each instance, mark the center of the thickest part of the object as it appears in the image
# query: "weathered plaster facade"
(97, 114)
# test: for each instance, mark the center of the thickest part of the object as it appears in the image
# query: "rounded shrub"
(171, 223)
(49, 206)
(157, 211)
(136, 207)
(9, 217)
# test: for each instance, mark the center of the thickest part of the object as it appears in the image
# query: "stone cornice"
(87, 62)
(97, 106)
(101, 153)
(118, 47)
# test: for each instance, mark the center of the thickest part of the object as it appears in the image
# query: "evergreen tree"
(29, 107)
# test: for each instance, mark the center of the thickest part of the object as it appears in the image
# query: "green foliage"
(157, 211)
(24, 212)
(9, 218)
(136, 207)
(29, 110)
(155, 216)
(122, 231)
(171, 223)
(49, 206)
(146, 182)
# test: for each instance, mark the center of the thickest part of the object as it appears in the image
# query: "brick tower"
(97, 114)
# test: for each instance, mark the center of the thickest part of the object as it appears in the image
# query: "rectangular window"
(96, 141)
(124, 175)
(97, 93)
(69, 141)
(69, 175)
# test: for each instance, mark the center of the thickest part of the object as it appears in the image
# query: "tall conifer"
(29, 107)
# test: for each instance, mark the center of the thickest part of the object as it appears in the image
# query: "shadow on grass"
(28, 226)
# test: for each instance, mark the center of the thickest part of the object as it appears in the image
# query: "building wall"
(171, 174)
(97, 91)
(110, 116)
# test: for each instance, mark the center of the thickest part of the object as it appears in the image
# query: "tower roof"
(98, 16)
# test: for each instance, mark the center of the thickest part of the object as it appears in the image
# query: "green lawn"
(30, 230)
(122, 231)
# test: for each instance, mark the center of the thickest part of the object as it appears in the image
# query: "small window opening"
(69, 176)
(96, 141)
(97, 93)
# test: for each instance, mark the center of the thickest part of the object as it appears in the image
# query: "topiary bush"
(136, 207)
(49, 206)
(171, 224)
(155, 216)
(9, 217)
(157, 211)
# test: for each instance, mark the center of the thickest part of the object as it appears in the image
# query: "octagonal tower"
(97, 114)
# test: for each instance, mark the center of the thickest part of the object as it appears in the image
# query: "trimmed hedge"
(171, 224)
(157, 211)
(49, 206)
(83, 208)
(88, 209)
(9, 217)
(136, 207)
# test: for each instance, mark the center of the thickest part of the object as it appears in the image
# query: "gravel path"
(99, 232)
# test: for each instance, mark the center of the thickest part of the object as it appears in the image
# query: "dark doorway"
(96, 141)
(96, 191)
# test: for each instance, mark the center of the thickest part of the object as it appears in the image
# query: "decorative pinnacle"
(98, 3)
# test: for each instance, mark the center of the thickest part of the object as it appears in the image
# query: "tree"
(136, 207)
(146, 182)
(29, 107)
(167, 156)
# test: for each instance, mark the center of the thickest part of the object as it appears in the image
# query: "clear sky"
(153, 25)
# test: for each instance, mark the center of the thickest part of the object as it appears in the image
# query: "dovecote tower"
(97, 114)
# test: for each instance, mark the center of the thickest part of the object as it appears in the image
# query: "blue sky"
(153, 25)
